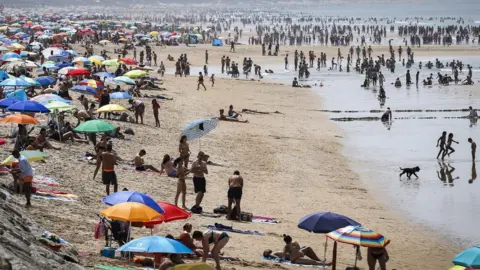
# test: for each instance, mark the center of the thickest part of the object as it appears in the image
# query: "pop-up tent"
(217, 42)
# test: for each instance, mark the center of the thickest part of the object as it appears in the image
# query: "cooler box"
(108, 252)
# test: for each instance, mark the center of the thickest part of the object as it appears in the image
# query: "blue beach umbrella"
(84, 89)
(468, 258)
(6, 102)
(199, 128)
(120, 95)
(45, 80)
(156, 244)
(132, 196)
(28, 106)
(124, 79)
(17, 82)
(325, 222)
(10, 55)
(3, 76)
(21, 95)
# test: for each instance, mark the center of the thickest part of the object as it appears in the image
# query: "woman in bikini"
(219, 240)
(184, 150)
(167, 167)
(182, 171)
(377, 254)
(293, 252)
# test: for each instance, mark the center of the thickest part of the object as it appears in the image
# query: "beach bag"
(222, 209)
(196, 209)
(245, 216)
(100, 230)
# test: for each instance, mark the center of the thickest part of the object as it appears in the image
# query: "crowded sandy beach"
(187, 137)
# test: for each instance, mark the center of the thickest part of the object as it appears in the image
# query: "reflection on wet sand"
(474, 173)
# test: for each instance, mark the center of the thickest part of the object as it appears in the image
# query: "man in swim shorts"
(199, 169)
(235, 191)
(108, 160)
(27, 174)
(139, 163)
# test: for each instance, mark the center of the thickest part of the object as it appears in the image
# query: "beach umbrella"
(468, 258)
(86, 90)
(359, 236)
(135, 73)
(325, 222)
(4, 103)
(56, 105)
(65, 70)
(120, 95)
(155, 244)
(128, 61)
(78, 72)
(458, 267)
(91, 83)
(80, 59)
(28, 106)
(45, 80)
(130, 211)
(3, 49)
(199, 128)
(111, 108)
(30, 155)
(10, 55)
(45, 98)
(18, 94)
(51, 51)
(19, 119)
(17, 82)
(172, 213)
(31, 81)
(96, 57)
(94, 126)
(193, 266)
(111, 63)
(124, 79)
(153, 33)
(104, 74)
(3, 76)
(133, 196)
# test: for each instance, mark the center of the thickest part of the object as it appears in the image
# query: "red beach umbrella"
(78, 72)
(172, 213)
(128, 61)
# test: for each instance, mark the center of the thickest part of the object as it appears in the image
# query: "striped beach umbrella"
(199, 128)
(359, 236)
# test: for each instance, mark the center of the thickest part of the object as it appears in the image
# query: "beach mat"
(106, 267)
(223, 228)
(287, 262)
(53, 198)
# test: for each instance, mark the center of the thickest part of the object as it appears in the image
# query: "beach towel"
(106, 267)
(224, 228)
(63, 199)
(266, 220)
(287, 262)
(44, 180)
(52, 193)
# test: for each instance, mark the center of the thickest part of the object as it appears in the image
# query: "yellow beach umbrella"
(457, 267)
(30, 155)
(111, 108)
(193, 266)
(135, 73)
(3, 28)
(16, 46)
(153, 33)
(94, 60)
(131, 211)
(112, 62)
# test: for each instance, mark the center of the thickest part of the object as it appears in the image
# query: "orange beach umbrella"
(20, 119)
(131, 211)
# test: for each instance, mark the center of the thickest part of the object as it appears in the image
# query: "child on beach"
(449, 146)
(156, 107)
(441, 143)
(212, 79)
(182, 171)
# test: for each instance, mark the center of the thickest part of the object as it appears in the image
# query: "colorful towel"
(287, 262)
(45, 197)
(106, 267)
(223, 228)
(266, 220)
(44, 180)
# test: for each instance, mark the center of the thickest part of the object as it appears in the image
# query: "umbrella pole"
(357, 250)
(334, 257)
(325, 251)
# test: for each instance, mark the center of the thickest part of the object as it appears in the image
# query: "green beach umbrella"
(94, 126)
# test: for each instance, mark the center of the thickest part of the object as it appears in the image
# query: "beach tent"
(217, 42)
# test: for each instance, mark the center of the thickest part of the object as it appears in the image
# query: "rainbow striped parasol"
(359, 236)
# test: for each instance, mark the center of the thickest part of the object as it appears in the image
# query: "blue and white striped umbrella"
(199, 128)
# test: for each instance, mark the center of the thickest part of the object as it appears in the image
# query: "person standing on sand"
(184, 150)
(139, 108)
(474, 148)
(212, 79)
(206, 57)
(232, 46)
(181, 186)
(377, 254)
(235, 191)
(449, 146)
(156, 107)
(199, 169)
(108, 160)
(27, 175)
(286, 61)
(417, 78)
(200, 81)
(441, 142)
